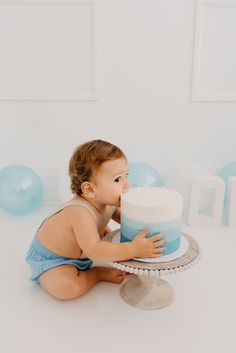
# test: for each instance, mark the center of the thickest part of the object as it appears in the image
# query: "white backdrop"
(128, 71)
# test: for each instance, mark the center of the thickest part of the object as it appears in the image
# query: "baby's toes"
(119, 272)
(120, 277)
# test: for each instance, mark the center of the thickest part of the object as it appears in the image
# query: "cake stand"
(145, 289)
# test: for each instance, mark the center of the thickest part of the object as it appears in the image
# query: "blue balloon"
(21, 189)
(142, 174)
(227, 171)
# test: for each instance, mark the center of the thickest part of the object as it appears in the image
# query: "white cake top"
(152, 204)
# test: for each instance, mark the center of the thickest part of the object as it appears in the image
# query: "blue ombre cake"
(158, 209)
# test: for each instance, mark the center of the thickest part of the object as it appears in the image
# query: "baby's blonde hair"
(88, 158)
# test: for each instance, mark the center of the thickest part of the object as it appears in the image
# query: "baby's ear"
(87, 189)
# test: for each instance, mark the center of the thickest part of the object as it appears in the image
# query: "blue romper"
(41, 259)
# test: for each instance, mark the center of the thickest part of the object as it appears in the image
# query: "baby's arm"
(85, 230)
(87, 236)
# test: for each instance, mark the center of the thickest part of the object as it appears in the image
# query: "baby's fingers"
(159, 250)
(155, 255)
(156, 237)
(160, 242)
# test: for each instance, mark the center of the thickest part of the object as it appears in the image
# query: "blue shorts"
(41, 259)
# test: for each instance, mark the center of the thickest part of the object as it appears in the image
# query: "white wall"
(146, 105)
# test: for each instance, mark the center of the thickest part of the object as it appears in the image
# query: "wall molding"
(198, 74)
(43, 87)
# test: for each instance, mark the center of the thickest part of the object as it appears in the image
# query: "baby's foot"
(110, 274)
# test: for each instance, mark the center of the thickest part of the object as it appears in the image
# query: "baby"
(69, 239)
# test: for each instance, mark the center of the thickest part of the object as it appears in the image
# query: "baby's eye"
(117, 180)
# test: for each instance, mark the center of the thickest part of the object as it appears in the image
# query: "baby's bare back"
(57, 235)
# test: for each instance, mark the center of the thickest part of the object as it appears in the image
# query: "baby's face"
(111, 182)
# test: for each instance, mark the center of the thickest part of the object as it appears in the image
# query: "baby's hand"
(148, 247)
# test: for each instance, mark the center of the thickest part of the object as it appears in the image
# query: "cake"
(158, 209)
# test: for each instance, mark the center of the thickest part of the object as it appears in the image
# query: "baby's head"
(98, 169)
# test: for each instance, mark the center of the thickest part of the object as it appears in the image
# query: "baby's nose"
(126, 186)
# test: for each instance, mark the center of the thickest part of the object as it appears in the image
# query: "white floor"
(201, 319)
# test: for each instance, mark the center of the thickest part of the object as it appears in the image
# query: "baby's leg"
(66, 282)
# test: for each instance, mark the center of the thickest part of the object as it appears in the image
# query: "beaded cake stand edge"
(183, 263)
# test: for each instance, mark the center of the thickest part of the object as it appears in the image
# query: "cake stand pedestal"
(147, 293)
(146, 290)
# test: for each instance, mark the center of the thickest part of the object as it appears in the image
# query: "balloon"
(227, 171)
(21, 189)
(142, 174)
